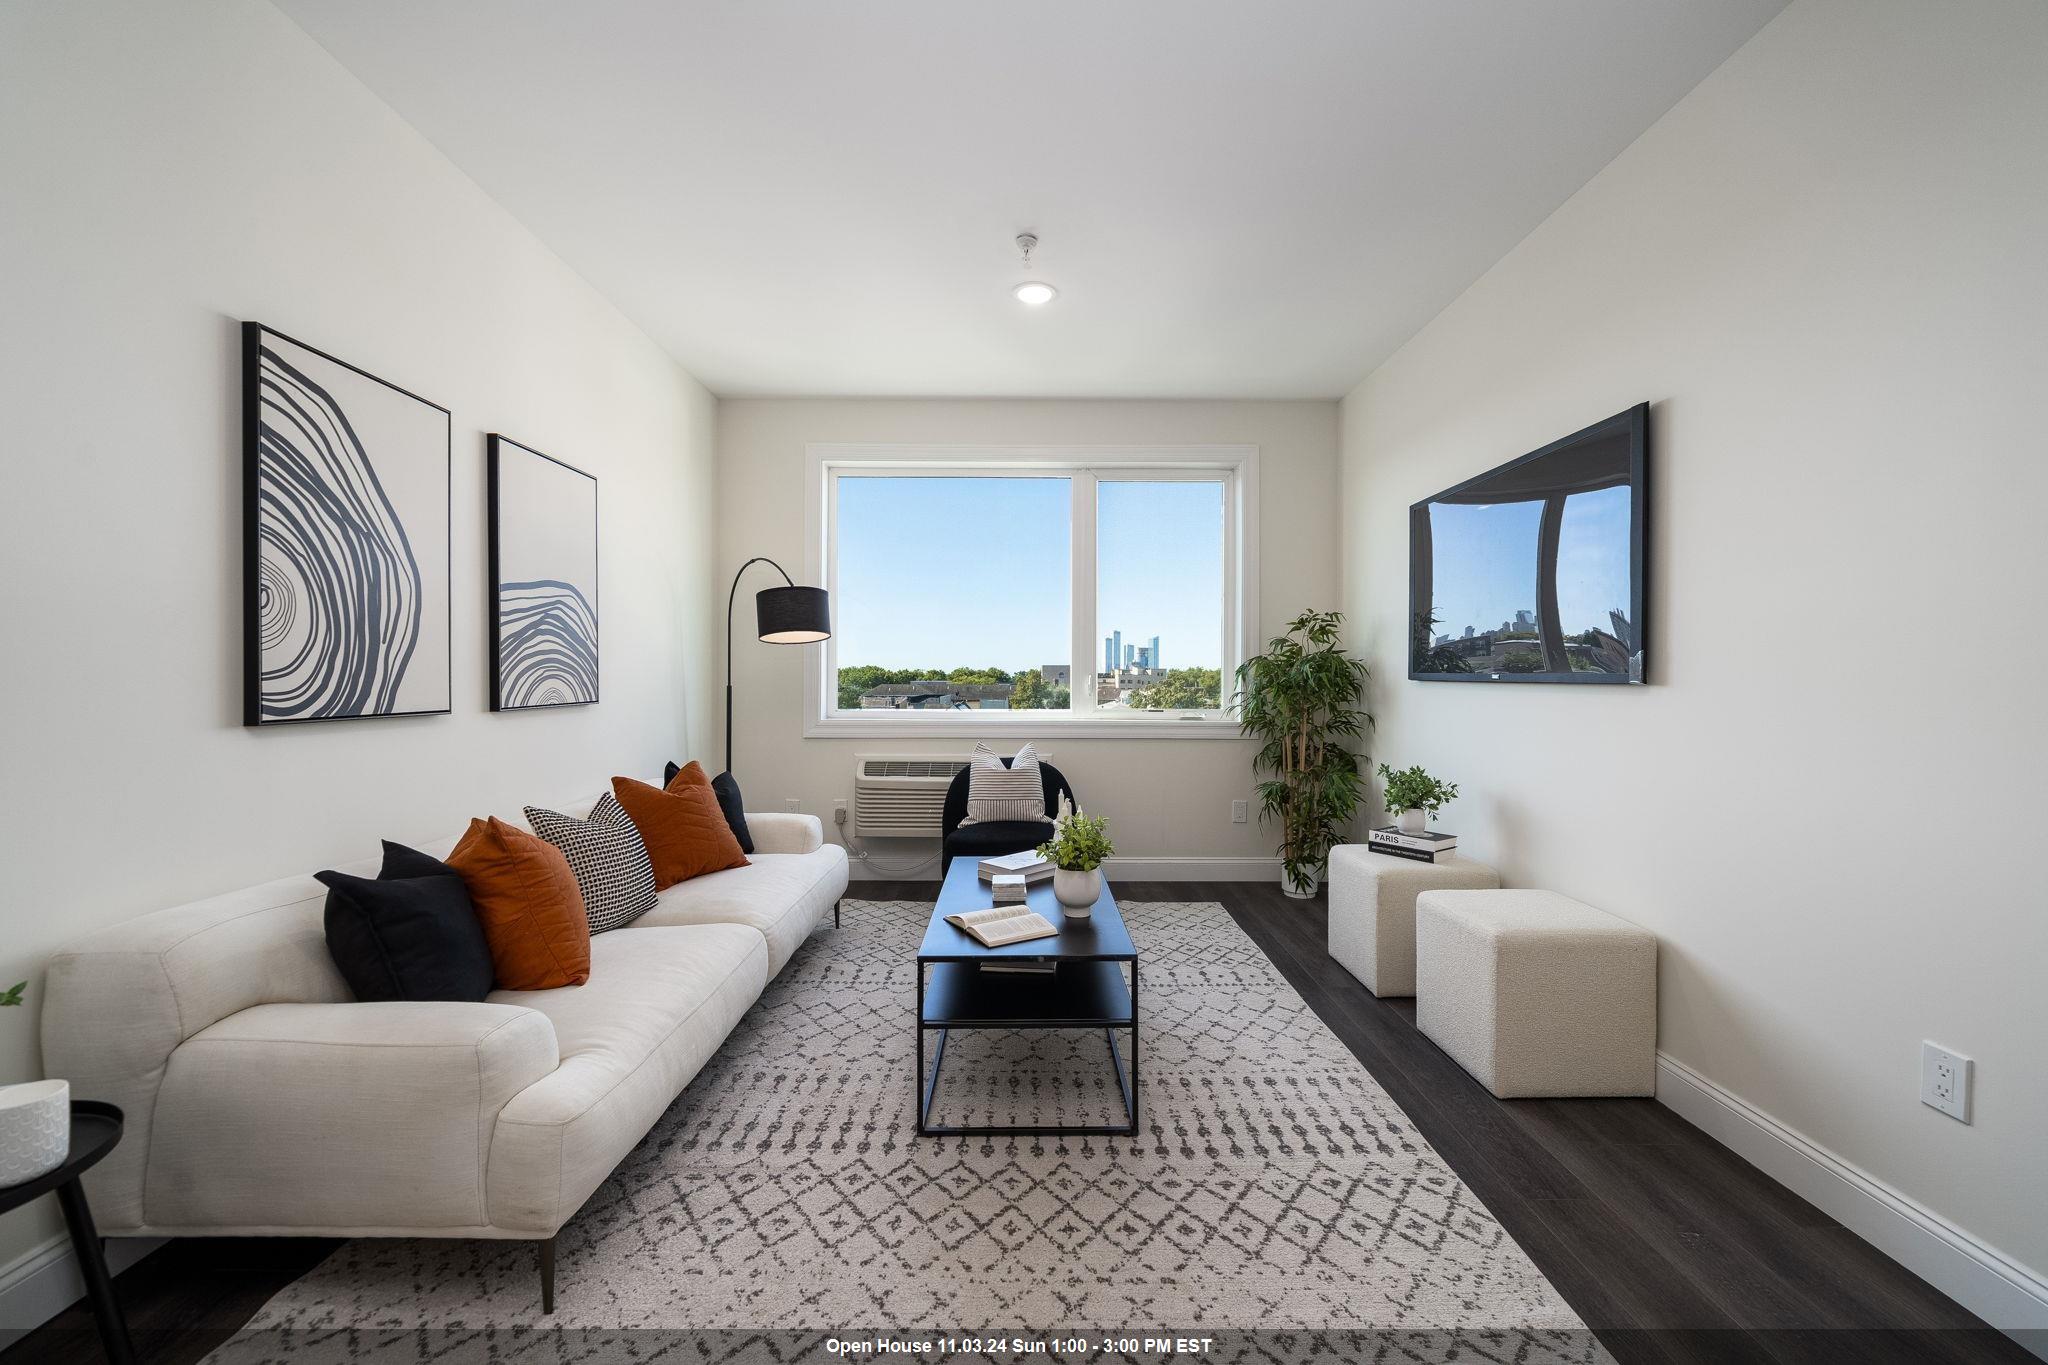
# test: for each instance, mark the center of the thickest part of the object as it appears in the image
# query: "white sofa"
(262, 1099)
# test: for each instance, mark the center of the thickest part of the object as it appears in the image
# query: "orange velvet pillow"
(532, 912)
(683, 828)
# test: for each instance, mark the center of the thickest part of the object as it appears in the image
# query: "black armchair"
(997, 837)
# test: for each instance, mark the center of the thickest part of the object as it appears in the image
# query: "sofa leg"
(547, 1275)
(835, 914)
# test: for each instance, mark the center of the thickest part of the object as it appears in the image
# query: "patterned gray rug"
(1274, 1186)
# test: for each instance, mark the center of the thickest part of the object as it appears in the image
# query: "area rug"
(1274, 1188)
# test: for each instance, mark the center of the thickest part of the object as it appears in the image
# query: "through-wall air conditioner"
(901, 796)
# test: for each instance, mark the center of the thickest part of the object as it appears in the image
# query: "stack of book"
(1427, 847)
(1029, 866)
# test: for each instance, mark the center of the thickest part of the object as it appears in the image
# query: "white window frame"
(1085, 466)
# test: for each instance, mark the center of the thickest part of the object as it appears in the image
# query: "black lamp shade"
(793, 615)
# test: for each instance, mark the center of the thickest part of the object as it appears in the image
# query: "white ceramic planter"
(1077, 891)
(1315, 880)
(1414, 821)
(35, 1129)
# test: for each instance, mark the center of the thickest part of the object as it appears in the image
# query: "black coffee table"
(1087, 989)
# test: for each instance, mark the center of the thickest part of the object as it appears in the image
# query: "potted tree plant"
(1303, 697)
(1414, 797)
(1078, 845)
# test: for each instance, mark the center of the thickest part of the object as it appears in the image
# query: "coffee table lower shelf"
(958, 995)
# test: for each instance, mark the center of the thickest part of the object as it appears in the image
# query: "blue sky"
(1485, 561)
(972, 572)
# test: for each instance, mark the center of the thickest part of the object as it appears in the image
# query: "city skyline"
(1116, 654)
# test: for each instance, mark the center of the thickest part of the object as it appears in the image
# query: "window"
(1094, 590)
(950, 592)
(1159, 557)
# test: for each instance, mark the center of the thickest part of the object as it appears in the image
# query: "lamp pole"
(730, 598)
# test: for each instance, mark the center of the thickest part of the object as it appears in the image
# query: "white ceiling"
(1234, 198)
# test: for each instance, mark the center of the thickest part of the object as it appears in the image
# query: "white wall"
(1178, 806)
(1824, 269)
(169, 170)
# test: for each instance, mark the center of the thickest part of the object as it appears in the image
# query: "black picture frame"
(513, 689)
(1634, 423)
(261, 512)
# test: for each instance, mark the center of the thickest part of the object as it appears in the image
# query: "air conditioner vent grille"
(911, 767)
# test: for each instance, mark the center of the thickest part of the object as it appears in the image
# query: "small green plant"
(1079, 842)
(1414, 789)
(12, 996)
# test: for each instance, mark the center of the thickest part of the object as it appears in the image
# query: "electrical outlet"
(1945, 1080)
(792, 804)
(1239, 812)
(839, 811)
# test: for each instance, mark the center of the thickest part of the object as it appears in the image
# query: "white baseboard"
(1143, 869)
(1194, 869)
(44, 1281)
(1995, 1287)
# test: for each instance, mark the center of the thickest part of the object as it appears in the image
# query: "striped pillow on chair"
(998, 793)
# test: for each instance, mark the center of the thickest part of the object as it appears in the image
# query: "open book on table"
(1003, 925)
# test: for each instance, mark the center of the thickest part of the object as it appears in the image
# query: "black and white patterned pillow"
(609, 859)
(995, 792)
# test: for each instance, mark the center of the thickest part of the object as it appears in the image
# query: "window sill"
(1019, 725)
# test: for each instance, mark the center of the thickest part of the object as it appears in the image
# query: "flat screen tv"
(1534, 572)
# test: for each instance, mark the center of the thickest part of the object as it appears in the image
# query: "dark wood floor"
(1667, 1244)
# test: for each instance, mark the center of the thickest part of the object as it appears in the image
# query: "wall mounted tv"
(1534, 572)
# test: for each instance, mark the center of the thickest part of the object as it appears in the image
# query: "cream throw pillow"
(998, 793)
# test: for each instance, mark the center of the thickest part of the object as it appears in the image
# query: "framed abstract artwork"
(543, 579)
(346, 506)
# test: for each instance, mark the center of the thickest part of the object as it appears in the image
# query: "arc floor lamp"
(788, 615)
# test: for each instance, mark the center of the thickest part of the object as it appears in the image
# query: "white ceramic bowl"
(35, 1129)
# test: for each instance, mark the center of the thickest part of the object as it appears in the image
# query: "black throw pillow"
(730, 805)
(410, 933)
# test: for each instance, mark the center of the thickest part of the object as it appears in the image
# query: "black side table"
(95, 1128)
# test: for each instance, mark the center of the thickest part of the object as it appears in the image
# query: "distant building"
(936, 695)
(1116, 654)
(1468, 632)
(1058, 675)
(1524, 620)
(1110, 687)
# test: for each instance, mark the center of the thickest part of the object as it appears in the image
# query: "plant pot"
(35, 1129)
(1077, 891)
(1413, 821)
(1315, 880)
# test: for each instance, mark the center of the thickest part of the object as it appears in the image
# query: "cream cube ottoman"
(1372, 910)
(1537, 994)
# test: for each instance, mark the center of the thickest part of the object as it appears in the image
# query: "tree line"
(1182, 689)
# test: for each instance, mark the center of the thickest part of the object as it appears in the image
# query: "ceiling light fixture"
(1032, 293)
